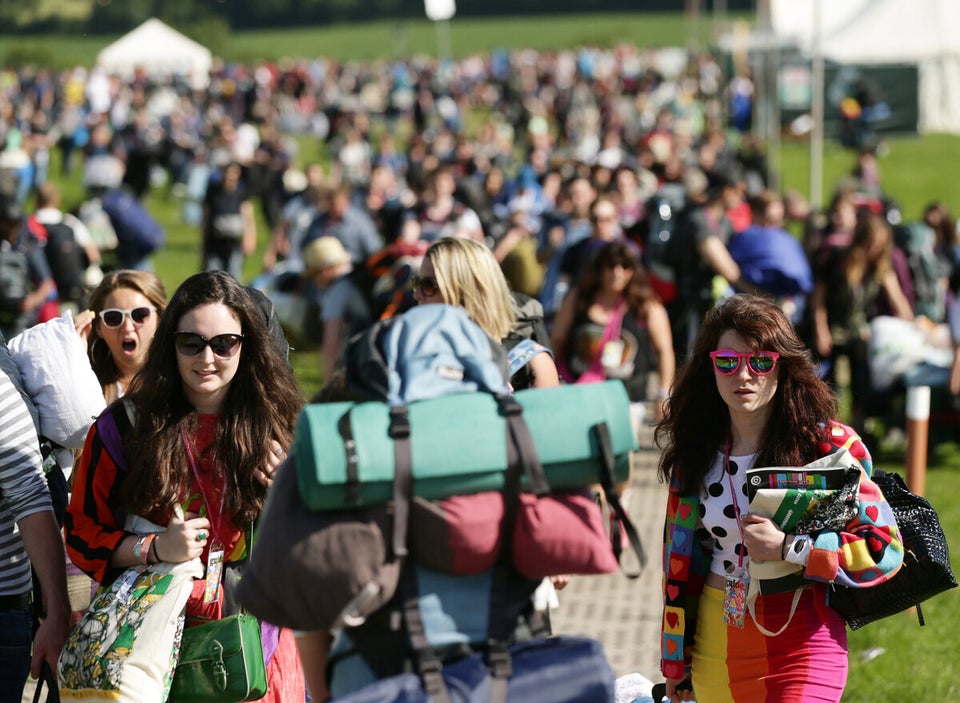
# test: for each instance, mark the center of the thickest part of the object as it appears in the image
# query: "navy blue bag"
(138, 234)
(561, 669)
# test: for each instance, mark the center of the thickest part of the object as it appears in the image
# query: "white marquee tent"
(870, 32)
(159, 49)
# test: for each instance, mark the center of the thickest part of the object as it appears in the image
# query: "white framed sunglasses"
(113, 317)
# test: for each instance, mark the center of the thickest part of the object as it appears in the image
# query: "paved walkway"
(623, 613)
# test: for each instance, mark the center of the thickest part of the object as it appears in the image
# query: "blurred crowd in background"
(548, 158)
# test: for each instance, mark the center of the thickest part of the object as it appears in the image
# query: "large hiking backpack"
(435, 420)
(67, 261)
(660, 242)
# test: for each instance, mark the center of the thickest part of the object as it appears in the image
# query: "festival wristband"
(144, 554)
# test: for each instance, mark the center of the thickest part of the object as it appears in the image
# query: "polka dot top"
(717, 525)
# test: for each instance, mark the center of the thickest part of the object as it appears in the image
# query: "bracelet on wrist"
(156, 553)
(783, 547)
(138, 545)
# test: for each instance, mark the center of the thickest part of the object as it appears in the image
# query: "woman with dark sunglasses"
(119, 325)
(465, 273)
(749, 396)
(612, 325)
(204, 426)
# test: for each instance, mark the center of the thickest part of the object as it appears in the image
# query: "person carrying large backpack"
(352, 672)
(428, 599)
(26, 284)
(69, 249)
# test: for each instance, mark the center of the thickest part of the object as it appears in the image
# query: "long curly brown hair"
(697, 422)
(262, 404)
(638, 292)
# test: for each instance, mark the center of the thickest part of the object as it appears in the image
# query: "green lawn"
(915, 170)
(388, 38)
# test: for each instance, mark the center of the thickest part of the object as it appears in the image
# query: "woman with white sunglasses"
(119, 326)
(749, 396)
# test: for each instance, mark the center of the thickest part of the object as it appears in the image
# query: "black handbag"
(926, 561)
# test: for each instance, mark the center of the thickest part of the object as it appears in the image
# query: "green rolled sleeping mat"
(345, 451)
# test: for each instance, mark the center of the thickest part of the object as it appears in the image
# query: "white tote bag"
(126, 645)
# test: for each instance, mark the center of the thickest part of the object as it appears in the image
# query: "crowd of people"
(585, 192)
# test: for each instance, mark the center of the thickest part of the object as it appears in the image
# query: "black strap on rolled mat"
(608, 482)
(498, 630)
(402, 478)
(353, 462)
(427, 660)
(521, 448)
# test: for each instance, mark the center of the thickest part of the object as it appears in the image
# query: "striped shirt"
(23, 486)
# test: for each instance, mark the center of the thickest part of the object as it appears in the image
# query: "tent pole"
(816, 135)
(766, 101)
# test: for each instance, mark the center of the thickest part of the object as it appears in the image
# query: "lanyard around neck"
(736, 503)
(214, 527)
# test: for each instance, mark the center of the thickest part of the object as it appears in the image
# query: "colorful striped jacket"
(849, 558)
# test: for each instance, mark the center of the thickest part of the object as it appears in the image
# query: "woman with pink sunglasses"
(749, 396)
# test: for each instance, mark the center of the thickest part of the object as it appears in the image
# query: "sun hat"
(324, 252)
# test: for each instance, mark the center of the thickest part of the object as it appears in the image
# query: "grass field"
(916, 663)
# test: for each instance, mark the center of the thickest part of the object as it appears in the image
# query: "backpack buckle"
(399, 422)
(508, 405)
(498, 659)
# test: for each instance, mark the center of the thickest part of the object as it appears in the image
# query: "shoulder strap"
(112, 427)
(619, 519)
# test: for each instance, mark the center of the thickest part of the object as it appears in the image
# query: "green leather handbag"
(220, 662)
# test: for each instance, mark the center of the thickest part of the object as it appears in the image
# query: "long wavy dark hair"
(262, 403)
(638, 291)
(697, 422)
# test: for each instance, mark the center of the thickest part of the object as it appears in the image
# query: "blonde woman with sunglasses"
(214, 409)
(465, 273)
(119, 325)
(749, 396)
